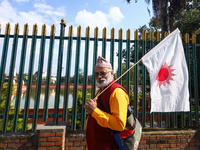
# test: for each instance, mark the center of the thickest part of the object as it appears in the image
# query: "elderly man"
(100, 124)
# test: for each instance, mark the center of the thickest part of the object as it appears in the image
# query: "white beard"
(105, 82)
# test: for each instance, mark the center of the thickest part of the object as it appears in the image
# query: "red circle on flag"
(163, 74)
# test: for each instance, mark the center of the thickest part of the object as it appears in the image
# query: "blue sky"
(101, 13)
(93, 13)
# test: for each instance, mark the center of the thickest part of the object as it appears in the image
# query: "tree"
(2, 109)
(154, 24)
(132, 54)
(189, 21)
(168, 11)
(124, 77)
(90, 79)
(79, 108)
(34, 78)
(153, 27)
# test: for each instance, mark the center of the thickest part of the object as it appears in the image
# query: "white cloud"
(7, 12)
(105, 1)
(41, 6)
(38, 16)
(85, 19)
(19, 1)
(41, 1)
(49, 11)
(115, 14)
(100, 19)
(43, 14)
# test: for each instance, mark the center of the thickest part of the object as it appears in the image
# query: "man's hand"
(90, 105)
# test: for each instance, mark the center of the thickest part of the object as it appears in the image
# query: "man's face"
(103, 76)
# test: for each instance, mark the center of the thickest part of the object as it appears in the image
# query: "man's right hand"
(91, 105)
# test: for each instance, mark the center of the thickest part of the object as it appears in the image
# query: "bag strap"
(101, 104)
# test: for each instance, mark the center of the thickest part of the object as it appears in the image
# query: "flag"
(168, 72)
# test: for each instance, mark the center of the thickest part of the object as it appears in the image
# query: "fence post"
(120, 56)
(59, 71)
(76, 80)
(136, 74)
(39, 78)
(29, 83)
(159, 113)
(112, 47)
(198, 51)
(4, 56)
(187, 52)
(95, 51)
(67, 75)
(128, 37)
(151, 46)
(85, 81)
(167, 119)
(104, 43)
(20, 78)
(10, 80)
(143, 80)
(195, 79)
(48, 82)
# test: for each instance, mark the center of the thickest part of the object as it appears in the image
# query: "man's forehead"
(101, 69)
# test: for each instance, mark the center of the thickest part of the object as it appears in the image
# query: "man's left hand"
(90, 105)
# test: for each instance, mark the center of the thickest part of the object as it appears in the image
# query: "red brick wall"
(56, 138)
(75, 140)
(52, 137)
(51, 141)
(170, 140)
(18, 141)
(152, 139)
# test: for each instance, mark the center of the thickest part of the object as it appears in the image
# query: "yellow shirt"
(119, 101)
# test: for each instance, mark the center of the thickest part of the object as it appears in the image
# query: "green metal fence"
(177, 119)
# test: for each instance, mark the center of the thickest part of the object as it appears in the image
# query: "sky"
(93, 13)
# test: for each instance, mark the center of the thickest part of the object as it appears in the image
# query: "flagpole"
(117, 79)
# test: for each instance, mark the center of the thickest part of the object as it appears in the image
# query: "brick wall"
(152, 139)
(19, 141)
(52, 137)
(75, 140)
(168, 139)
(57, 137)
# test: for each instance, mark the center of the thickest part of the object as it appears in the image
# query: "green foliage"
(131, 99)
(124, 77)
(154, 24)
(179, 119)
(79, 108)
(183, 14)
(189, 20)
(2, 109)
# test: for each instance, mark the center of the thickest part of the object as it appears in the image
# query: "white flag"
(168, 75)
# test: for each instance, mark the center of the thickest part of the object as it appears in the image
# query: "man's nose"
(98, 77)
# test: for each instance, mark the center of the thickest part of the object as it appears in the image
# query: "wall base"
(49, 137)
